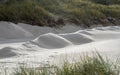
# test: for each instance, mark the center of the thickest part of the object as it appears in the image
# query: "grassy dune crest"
(56, 12)
(26, 11)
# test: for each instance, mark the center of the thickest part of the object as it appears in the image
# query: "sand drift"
(32, 44)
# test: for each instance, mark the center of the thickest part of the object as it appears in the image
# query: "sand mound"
(77, 38)
(51, 41)
(12, 31)
(46, 47)
(113, 28)
(7, 52)
(37, 30)
(84, 32)
(102, 34)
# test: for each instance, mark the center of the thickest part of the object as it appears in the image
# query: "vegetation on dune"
(26, 11)
(107, 2)
(87, 65)
(44, 12)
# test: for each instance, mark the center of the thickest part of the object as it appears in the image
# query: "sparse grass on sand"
(87, 65)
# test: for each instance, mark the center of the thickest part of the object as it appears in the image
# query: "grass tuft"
(87, 65)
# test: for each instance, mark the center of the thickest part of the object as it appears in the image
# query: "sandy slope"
(12, 31)
(35, 45)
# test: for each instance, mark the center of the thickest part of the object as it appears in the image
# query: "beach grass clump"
(26, 12)
(87, 65)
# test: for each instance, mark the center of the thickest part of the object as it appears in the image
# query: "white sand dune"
(37, 31)
(51, 41)
(102, 35)
(35, 45)
(7, 52)
(12, 31)
(77, 38)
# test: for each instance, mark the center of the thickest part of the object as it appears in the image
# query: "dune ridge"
(44, 46)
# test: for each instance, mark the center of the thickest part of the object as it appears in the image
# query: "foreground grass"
(44, 12)
(95, 65)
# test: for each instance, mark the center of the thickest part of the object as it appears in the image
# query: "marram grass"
(87, 65)
(44, 12)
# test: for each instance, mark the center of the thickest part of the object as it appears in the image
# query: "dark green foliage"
(107, 2)
(24, 11)
(44, 12)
